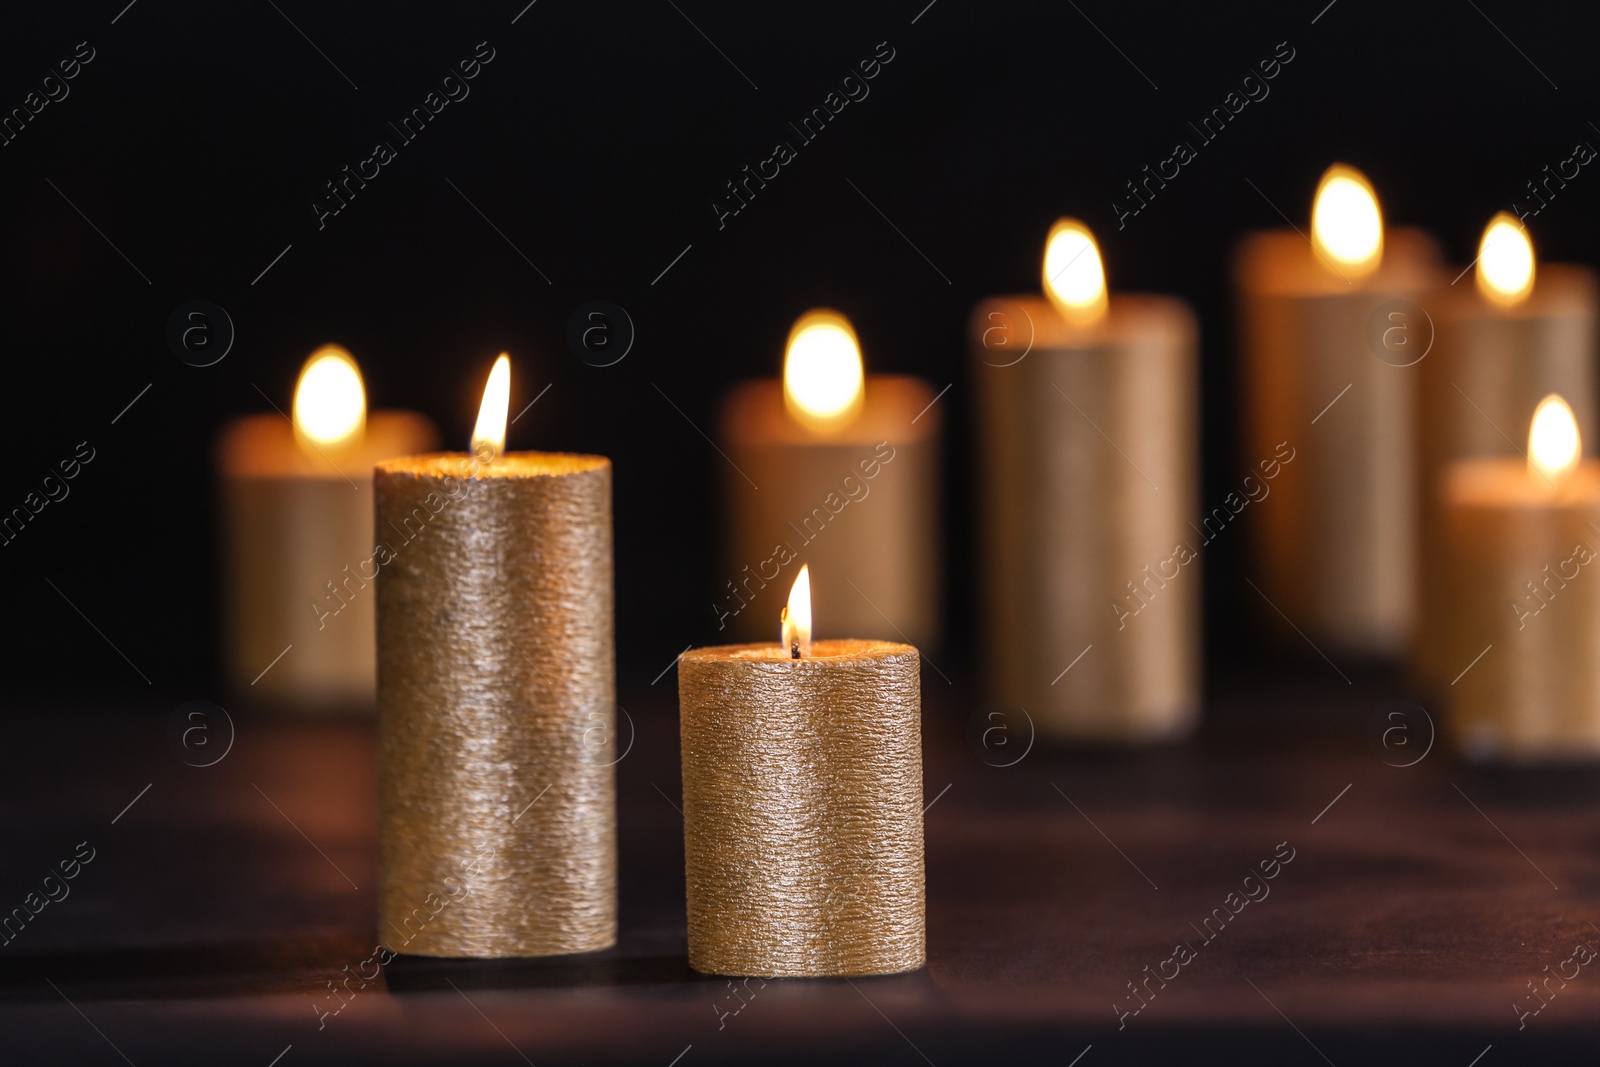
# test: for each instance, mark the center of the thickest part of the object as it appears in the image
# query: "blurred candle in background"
(1522, 611)
(837, 469)
(1087, 414)
(1325, 325)
(1525, 330)
(296, 498)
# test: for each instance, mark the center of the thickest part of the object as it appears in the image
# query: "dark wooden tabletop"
(1422, 905)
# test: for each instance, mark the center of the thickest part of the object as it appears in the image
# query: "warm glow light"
(330, 405)
(1553, 444)
(822, 377)
(1346, 225)
(1074, 278)
(1505, 261)
(489, 435)
(797, 616)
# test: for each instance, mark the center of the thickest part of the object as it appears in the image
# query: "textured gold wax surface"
(802, 803)
(496, 705)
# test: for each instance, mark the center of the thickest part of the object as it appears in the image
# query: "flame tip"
(823, 379)
(1073, 273)
(330, 400)
(1506, 261)
(1346, 221)
(1554, 444)
(795, 618)
(489, 434)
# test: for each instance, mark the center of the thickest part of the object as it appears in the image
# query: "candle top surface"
(506, 465)
(265, 446)
(1506, 482)
(1028, 321)
(1559, 290)
(754, 411)
(842, 650)
(1283, 262)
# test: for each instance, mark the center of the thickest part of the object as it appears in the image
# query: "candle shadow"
(427, 974)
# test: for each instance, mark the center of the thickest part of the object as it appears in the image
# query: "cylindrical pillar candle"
(496, 701)
(1087, 412)
(1336, 547)
(296, 538)
(1524, 612)
(838, 471)
(802, 808)
(1518, 335)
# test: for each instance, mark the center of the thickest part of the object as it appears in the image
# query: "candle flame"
(796, 617)
(489, 435)
(1074, 277)
(823, 384)
(330, 404)
(1505, 261)
(1346, 225)
(1553, 443)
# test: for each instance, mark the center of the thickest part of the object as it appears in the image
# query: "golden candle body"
(1521, 562)
(1089, 470)
(859, 505)
(802, 806)
(496, 706)
(1336, 547)
(296, 532)
(1489, 368)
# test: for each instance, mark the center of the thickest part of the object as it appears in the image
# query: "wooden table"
(222, 904)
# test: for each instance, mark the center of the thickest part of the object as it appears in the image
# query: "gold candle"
(1336, 547)
(839, 470)
(802, 804)
(1523, 612)
(1087, 412)
(496, 700)
(296, 538)
(1522, 332)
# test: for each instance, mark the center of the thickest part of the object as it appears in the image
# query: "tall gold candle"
(1521, 332)
(1087, 410)
(496, 700)
(296, 538)
(1336, 547)
(802, 804)
(838, 469)
(1521, 538)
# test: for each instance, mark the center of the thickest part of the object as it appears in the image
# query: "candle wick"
(794, 650)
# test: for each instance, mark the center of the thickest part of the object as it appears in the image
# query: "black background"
(596, 140)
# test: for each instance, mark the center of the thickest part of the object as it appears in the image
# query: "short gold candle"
(1522, 615)
(802, 805)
